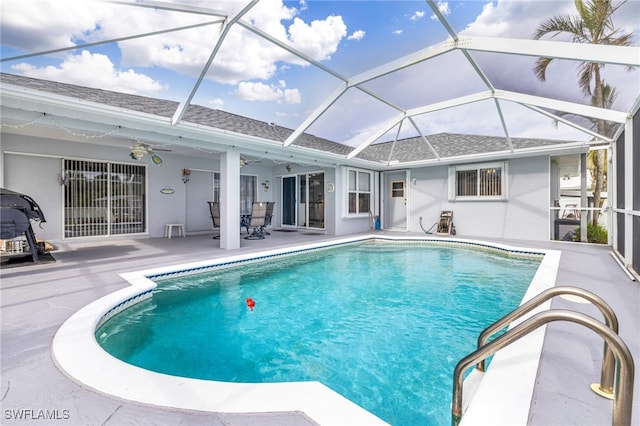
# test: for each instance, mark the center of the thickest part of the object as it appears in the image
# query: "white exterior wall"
(32, 166)
(524, 215)
(346, 225)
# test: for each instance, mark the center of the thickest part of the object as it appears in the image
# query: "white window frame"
(503, 166)
(247, 195)
(357, 191)
(115, 207)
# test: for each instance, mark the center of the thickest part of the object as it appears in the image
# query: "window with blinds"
(483, 181)
(103, 198)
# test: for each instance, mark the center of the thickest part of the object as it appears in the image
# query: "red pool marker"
(251, 303)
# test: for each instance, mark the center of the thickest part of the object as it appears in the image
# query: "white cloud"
(257, 91)
(357, 35)
(419, 14)
(252, 91)
(396, 32)
(292, 96)
(516, 19)
(320, 39)
(443, 8)
(35, 26)
(217, 103)
(93, 70)
(48, 24)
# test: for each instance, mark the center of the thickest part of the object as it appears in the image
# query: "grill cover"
(16, 213)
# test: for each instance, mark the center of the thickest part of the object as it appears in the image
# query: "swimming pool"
(140, 280)
(381, 323)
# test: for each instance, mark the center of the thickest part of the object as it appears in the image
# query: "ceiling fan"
(140, 149)
(244, 161)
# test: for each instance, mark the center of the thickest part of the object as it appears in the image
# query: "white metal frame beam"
(113, 40)
(571, 107)
(182, 108)
(616, 55)
(171, 7)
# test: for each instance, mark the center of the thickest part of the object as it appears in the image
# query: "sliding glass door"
(102, 198)
(315, 204)
(303, 201)
(289, 202)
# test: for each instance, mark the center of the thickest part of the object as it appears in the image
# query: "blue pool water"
(382, 324)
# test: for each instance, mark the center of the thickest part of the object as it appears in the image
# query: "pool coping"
(78, 355)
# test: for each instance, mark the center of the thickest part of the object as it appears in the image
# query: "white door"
(395, 201)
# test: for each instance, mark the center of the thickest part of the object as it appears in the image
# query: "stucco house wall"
(524, 215)
(33, 165)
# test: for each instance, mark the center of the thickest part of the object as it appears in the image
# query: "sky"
(256, 78)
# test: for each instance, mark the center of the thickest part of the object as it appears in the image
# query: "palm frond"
(585, 75)
(554, 26)
(540, 68)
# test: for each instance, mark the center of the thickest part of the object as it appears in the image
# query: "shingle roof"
(404, 150)
(449, 145)
(165, 108)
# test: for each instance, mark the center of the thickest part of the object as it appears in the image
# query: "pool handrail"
(607, 375)
(623, 390)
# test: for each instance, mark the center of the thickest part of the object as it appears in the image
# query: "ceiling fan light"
(138, 152)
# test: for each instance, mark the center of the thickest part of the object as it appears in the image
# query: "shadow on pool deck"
(37, 299)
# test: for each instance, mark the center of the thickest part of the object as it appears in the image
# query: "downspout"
(583, 197)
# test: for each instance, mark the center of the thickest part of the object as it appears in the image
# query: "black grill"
(16, 213)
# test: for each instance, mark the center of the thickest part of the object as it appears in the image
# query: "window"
(359, 184)
(478, 182)
(248, 191)
(397, 189)
(103, 198)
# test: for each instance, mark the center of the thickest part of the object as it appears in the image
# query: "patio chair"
(214, 208)
(269, 215)
(257, 222)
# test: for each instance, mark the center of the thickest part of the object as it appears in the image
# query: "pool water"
(382, 324)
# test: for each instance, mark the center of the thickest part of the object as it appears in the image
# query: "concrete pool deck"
(37, 299)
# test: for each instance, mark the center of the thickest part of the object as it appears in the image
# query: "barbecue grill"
(16, 213)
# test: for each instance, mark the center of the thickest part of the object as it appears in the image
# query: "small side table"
(168, 229)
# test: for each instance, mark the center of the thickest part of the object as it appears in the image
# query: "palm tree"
(594, 25)
(609, 95)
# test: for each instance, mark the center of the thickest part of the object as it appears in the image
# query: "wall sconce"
(63, 180)
(288, 167)
(185, 175)
(414, 181)
(265, 185)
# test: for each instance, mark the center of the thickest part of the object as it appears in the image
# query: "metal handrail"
(605, 387)
(623, 390)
